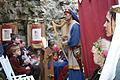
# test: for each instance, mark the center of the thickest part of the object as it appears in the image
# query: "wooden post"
(49, 73)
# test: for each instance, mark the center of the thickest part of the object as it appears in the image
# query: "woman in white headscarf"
(112, 26)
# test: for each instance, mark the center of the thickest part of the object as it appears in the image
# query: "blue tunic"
(74, 35)
(74, 40)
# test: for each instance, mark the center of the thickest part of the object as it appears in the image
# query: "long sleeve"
(74, 35)
(18, 69)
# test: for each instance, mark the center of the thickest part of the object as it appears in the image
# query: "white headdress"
(109, 69)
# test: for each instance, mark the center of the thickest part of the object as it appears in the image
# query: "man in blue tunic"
(73, 41)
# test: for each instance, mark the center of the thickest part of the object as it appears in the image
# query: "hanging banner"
(6, 34)
(6, 31)
(35, 34)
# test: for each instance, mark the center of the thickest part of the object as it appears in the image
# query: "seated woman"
(100, 50)
(16, 64)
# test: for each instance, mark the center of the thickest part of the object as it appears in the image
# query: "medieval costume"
(60, 61)
(112, 72)
(71, 43)
(75, 70)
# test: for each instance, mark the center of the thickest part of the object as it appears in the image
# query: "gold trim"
(74, 67)
(116, 10)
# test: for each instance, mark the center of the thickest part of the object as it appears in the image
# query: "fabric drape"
(92, 17)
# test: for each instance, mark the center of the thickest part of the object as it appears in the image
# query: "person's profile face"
(18, 52)
(17, 40)
(67, 16)
(107, 25)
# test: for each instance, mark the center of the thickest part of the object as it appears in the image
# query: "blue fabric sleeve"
(74, 36)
